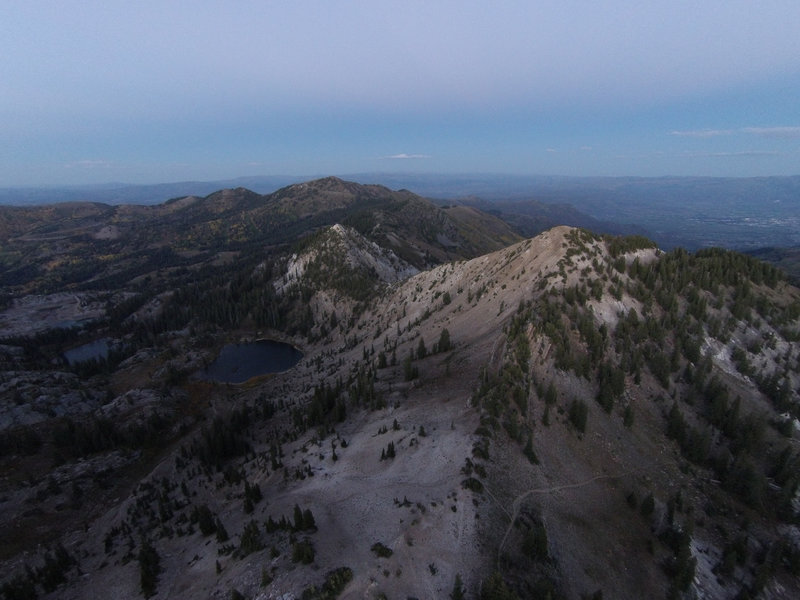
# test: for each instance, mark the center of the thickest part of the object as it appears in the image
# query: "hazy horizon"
(146, 93)
(377, 177)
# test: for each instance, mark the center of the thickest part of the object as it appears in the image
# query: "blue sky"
(145, 91)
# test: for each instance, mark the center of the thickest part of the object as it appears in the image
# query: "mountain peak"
(339, 258)
(326, 184)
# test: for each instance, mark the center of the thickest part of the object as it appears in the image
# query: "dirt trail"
(518, 500)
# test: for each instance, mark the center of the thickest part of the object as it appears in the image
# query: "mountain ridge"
(190, 231)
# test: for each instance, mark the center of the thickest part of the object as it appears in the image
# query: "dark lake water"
(91, 351)
(237, 363)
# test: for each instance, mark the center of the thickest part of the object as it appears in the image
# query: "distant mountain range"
(125, 193)
(693, 212)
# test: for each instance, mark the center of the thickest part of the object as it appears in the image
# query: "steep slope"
(612, 353)
(566, 416)
(341, 258)
(620, 341)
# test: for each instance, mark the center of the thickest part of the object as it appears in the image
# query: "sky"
(168, 90)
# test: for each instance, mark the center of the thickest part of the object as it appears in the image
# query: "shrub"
(205, 520)
(495, 588)
(410, 371)
(458, 589)
(303, 552)
(529, 452)
(472, 484)
(335, 582)
(534, 544)
(381, 551)
(578, 414)
(251, 539)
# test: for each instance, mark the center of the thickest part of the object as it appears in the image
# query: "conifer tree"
(149, 568)
(444, 344)
(308, 520)
(458, 589)
(298, 518)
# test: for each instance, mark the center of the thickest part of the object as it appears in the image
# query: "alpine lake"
(236, 363)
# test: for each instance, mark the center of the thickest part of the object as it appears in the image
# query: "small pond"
(92, 351)
(237, 363)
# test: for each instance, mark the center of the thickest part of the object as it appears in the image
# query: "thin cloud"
(743, 153)
(404, 156)
(89, 164)
(701, 133)
(779, 132)
(774, 132)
